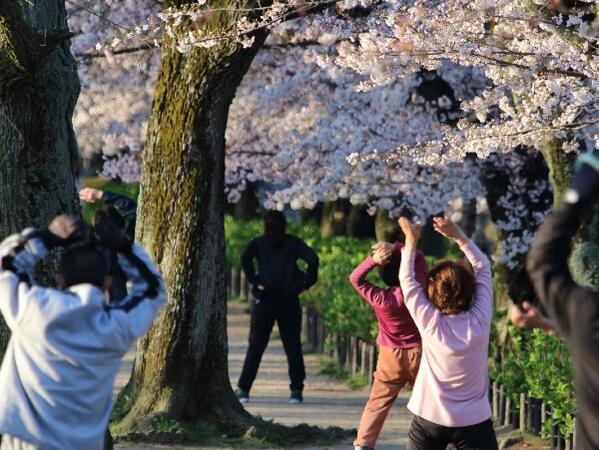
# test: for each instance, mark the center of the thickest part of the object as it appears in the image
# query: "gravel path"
(327, 402)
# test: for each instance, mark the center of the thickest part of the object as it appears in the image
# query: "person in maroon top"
(398, 338)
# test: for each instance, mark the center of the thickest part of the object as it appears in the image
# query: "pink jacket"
(396, 327)
(452, 384)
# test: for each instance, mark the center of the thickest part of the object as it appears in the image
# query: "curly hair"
(450, 286)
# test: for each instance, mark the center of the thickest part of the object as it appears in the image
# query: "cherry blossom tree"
(522, 75)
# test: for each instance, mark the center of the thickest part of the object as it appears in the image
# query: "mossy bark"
(39, 86)
(181, 369)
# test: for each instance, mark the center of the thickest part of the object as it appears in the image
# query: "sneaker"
(242, 395)
(296, 397)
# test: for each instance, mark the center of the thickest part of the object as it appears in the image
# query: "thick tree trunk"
(181, 369)
(360, 224)
(39, 86)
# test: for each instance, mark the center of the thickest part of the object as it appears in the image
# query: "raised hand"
(90, 195)
(382, 245)
(62, 230)
(449, 229)
(411, 231)
(381, 256)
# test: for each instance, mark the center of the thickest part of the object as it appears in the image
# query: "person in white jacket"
(57, 375)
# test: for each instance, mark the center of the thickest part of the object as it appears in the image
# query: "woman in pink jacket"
(453, 314)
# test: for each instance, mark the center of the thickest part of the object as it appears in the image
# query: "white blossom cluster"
(524, 205)
(540, 60)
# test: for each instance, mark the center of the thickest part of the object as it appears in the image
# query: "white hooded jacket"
(58, 372)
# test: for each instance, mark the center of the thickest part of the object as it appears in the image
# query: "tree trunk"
(386, 229)
(181, 369)
(334, 218)
(248, 206)
(360, 224)
(526, 166)
(39, 86)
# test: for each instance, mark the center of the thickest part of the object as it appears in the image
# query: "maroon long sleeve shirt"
(396, 327)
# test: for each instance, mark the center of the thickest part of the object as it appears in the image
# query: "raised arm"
(566, 302)
(126, 206)
(311, 258)
(569, 304)
(482, 303)
(425, 314)
(369, 292)
(19, 253)
(147, 294)
(247, 261)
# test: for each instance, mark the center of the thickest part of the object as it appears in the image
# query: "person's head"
(275, 224)
(390, 272)
(81, 264)
(450, 286)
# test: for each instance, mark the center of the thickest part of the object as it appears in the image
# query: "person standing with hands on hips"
(276, 285)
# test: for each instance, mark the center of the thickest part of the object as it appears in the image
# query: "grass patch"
(333, 370)
(357, 381)
(259, 434)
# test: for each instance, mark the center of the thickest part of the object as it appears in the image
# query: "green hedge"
(539, 365)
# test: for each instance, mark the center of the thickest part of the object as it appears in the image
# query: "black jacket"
(277, 267)
(128, 209)
(575, 310)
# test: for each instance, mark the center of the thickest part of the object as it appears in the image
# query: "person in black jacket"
(122, 211)
(276, 285)
(574, 308)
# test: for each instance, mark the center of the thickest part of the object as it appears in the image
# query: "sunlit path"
(327, 402)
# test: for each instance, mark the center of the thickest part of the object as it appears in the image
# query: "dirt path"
(327, 402)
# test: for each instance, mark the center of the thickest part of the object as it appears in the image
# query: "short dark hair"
(390, 272)
(275, 223)
(83, 263)
(450, 286)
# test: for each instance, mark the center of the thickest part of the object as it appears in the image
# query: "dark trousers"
(288, 316)
(425, 435)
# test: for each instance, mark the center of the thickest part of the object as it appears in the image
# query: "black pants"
(288, 316)
(425, 435)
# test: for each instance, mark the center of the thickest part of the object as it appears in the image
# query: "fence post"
(364, 358)
(306, 326)
(355, 354)
(522, 424)
(234, 282)
(501, 404)
(348, 353)
(507, 411)
(243, 286)
(321, 333)
(372, 363)
(495, 397)
(529, 412)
